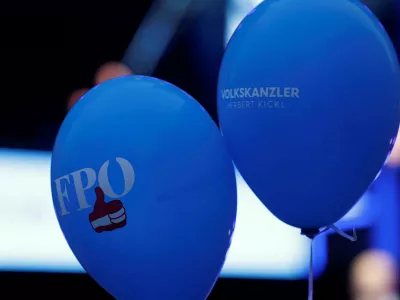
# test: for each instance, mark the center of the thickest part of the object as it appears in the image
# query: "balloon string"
(310, 273)
(340, 232)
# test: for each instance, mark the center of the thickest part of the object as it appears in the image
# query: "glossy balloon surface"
(144, 190)
(308, 103)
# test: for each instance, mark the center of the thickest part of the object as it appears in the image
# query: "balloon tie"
(311, 234)
(352, 238)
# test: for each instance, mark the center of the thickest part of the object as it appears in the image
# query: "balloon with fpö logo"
(308, 101)
(144, 190)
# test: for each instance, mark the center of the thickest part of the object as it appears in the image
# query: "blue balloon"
(144, 190)
(308, 101)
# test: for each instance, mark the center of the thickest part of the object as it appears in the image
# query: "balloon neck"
(310, 232)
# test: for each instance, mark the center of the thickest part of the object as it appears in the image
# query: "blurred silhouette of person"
(394, 158)
(106, 72)
(374, 276)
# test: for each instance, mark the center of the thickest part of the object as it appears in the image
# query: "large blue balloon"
(144, 190)
(308, 102)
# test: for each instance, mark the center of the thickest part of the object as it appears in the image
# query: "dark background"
(49, 49)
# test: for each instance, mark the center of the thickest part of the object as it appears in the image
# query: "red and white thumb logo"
(107, 216)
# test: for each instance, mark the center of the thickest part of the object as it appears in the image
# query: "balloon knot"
(310, 232)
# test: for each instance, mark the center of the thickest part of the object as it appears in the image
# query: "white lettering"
(270, 104)
(286, 92)
(61, 195)
(127, 172)
(262, 92)
(295, 93)
(255, 93)
(272, 93)
(80, 189)
(278, 89)
(103, 181)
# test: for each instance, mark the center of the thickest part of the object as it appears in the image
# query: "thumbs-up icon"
(107, 216)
